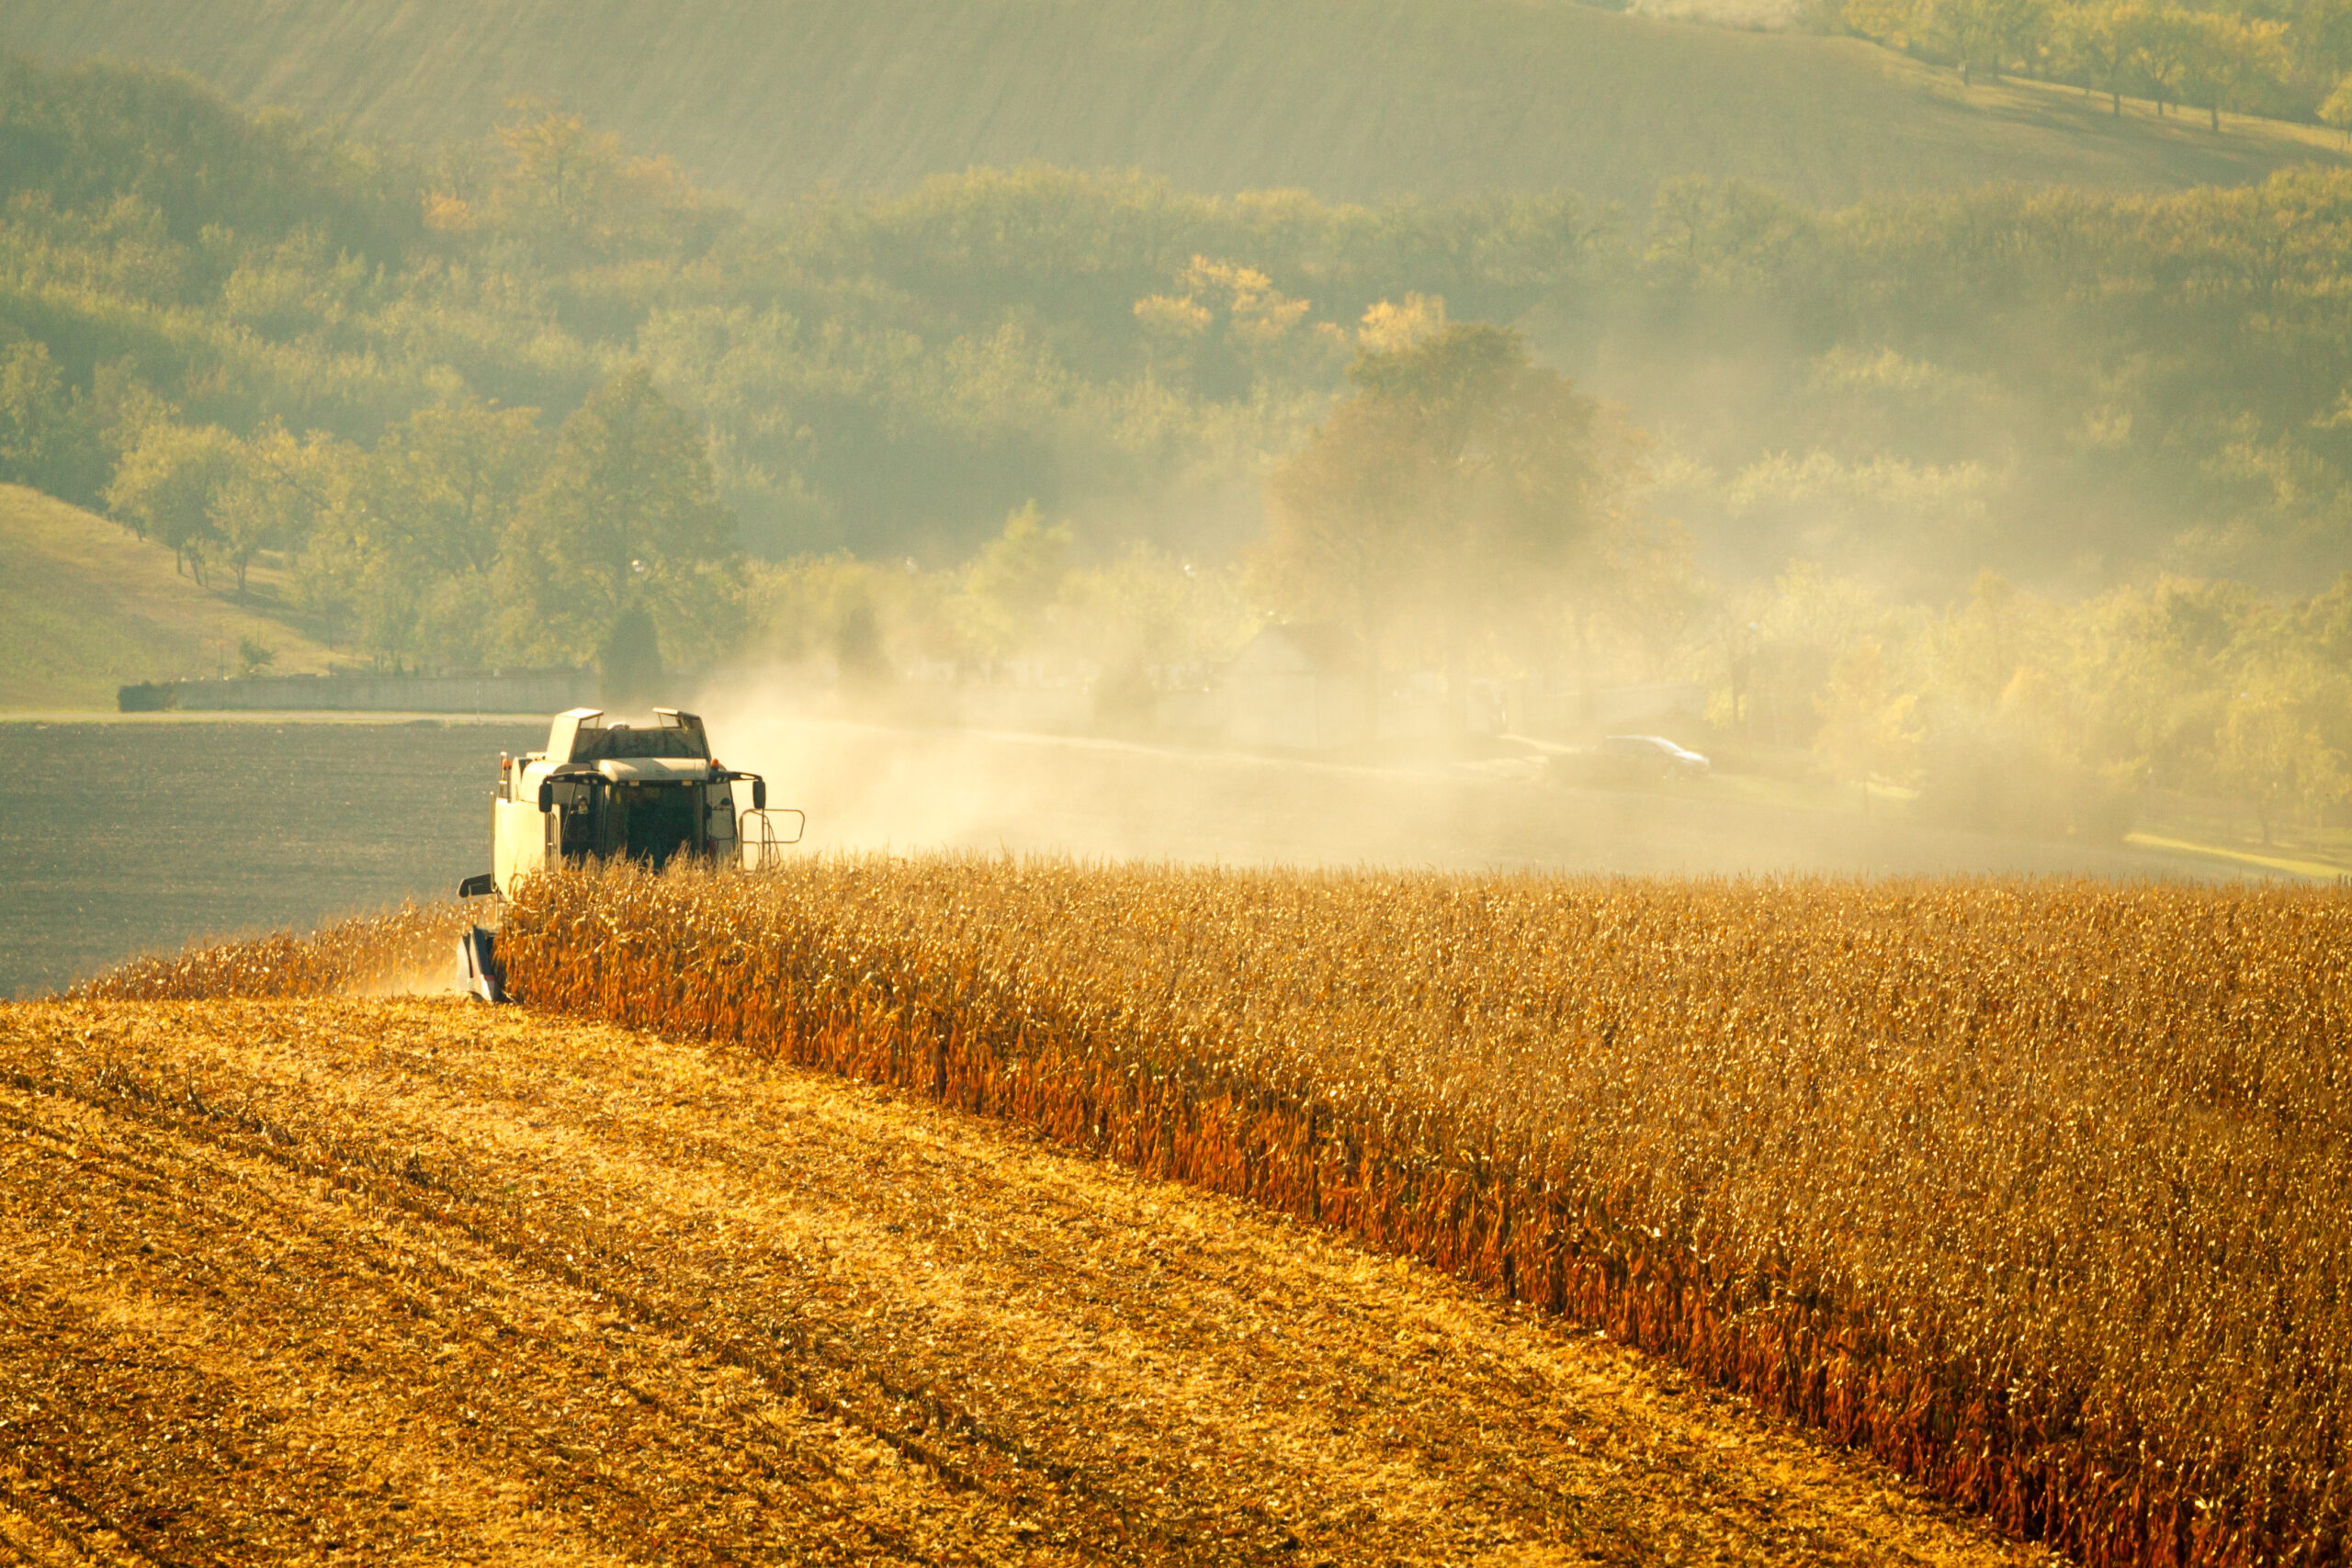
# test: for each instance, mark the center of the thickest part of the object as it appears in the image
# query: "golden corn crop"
(2037, 1191)
(351, 957)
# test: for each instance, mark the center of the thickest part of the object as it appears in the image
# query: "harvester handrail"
(764, 841)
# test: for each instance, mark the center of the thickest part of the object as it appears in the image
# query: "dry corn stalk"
(351, 957)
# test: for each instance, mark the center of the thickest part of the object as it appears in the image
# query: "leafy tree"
(1866, 728)
(2232, 61)
(2269, 754)
(628, 661)
(88, 134)
(2320, 41)
(2097, 40)
(275, 497)
(167, 485)
(1648, 589)
(568, 183)
(1987, 35)
(624, 520)
(1891, 22)
(458, 474)
(1254, 328)
(1484, 479)
(1724, 234)
(33, 412)
(2336, 109)
(2164, 45)
(1013, 583)
(1341, 515)
(1386, 328)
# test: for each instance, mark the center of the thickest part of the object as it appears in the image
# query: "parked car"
(1629, 760)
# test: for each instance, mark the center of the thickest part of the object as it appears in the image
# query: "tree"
(626, 519)
(1889, 22)
(1009, 588)
(1989, 34)
(2164, 40)
(2269, 754)
(1866, 730)
(2337, 109)
(277, 494)
(1648, 587)
(166, 486)
(1726, 233)
(565, 181)
(467, 467)
(1388, 327)
(1253, 327)
(403, 538)
(33, 412)
(2097, 40)
(1460, 482)
(2229, 60)
(1340, 517)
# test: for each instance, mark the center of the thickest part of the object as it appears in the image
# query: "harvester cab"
(651, 792)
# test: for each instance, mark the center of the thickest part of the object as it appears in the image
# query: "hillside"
(85, 607)
(1347, 98)
(411, 1283)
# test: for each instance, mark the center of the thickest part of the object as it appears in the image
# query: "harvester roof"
(582, 736)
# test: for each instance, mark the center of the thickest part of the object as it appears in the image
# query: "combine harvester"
(599, 791)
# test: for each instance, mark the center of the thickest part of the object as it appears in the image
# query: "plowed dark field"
(413, 1282)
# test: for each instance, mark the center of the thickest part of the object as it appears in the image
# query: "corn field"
(364, 953)
(2036, 1191)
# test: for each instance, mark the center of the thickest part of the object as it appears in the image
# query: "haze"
(1152, 432)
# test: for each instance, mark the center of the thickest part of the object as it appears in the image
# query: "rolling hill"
(1350, 99)
(85, 608)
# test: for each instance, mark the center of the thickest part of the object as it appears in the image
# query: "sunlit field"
(2026, 1189)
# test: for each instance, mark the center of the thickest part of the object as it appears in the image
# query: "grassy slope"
(431, 1282)
(1348, 98)
(84, 607)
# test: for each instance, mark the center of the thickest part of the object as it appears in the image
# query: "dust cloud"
(445, 978)
(868, 784)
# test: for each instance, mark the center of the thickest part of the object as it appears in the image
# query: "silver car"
(1654, 755)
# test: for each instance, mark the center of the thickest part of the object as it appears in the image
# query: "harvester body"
(651, 793)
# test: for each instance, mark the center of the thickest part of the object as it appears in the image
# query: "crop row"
(413, 946)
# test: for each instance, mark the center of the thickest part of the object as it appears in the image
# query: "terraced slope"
(411, 1281)
(1347, 98)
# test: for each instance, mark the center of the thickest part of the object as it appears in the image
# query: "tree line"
(2261, 57)
(469, 535)
(898, 373)
(539, 400)
(2013, 711)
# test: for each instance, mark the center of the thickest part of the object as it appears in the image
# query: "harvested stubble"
(415, 1282)
(2033, 1190)
(369, 954)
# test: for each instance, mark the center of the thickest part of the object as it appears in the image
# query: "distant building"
(1299, 688)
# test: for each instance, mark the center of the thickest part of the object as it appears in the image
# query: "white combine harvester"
(651, 793)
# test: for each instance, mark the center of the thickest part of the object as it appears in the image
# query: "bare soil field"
(416, 1282)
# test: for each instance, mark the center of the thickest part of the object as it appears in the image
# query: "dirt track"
(418, 1281)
